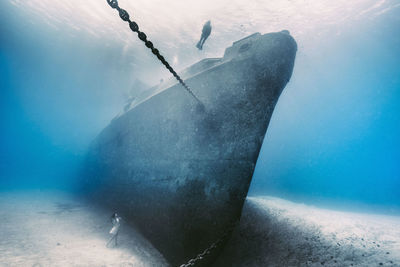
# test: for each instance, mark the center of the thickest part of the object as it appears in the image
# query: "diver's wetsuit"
(204, 35)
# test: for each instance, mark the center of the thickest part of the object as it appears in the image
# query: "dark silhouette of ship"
(181, 171)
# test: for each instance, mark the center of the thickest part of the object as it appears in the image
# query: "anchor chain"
(142, 36)
(213, 246)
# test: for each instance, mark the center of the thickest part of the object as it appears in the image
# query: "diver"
(204, 34)
(116, 222)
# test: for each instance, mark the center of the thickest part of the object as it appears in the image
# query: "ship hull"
(180, 171)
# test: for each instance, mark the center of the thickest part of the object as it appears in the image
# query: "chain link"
(213, 246)
(142, 36)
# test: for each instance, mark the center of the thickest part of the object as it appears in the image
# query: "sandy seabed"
(58, 229)
(276, 232)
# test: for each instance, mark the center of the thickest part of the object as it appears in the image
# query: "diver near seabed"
(204, 34)
(116, 222)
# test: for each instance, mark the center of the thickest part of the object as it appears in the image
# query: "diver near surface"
(204, 34)
(116, 222)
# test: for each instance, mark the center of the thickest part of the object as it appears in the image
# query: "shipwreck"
(180, 170)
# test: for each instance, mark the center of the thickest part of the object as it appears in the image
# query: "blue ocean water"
(334, 135)
(335, 132)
